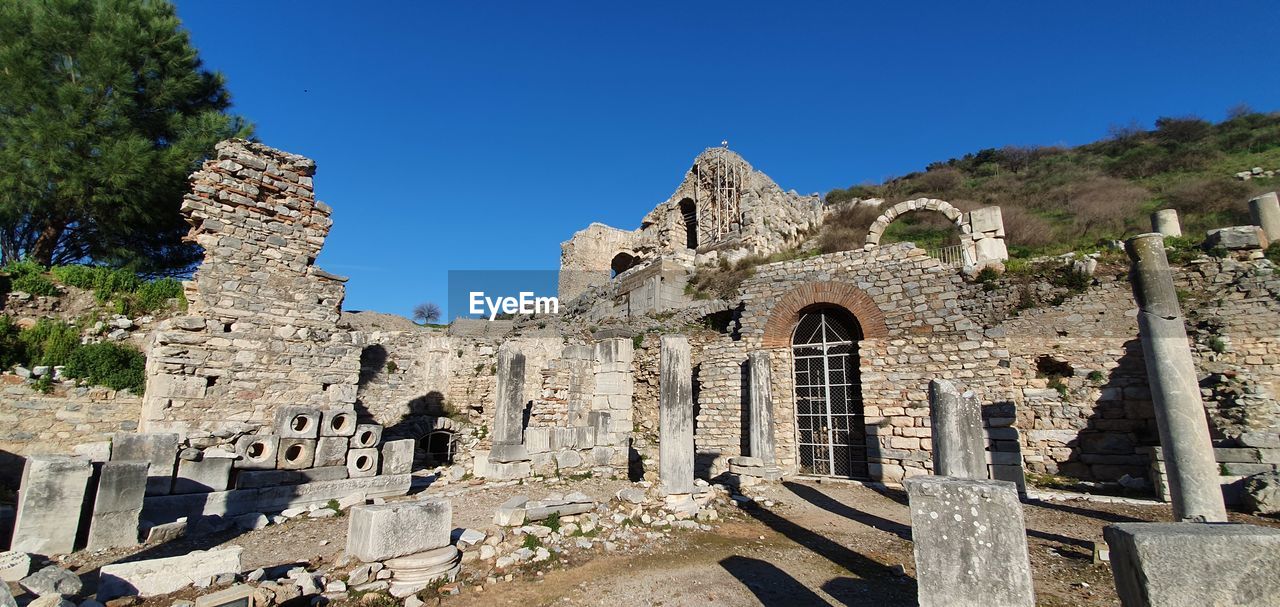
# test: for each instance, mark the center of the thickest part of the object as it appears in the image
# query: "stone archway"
(955, 215)
(981, 230)
(782, 319)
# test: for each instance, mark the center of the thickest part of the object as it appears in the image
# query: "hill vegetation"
(1057, 199)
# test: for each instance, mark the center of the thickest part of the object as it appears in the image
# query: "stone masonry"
(261, 330)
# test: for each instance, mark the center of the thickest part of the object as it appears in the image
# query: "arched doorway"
(689, 212)
(831, 434)
(621, 263)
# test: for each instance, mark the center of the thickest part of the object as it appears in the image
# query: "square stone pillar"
(959, 448)
(970, 543)
(121, 487)
(675, 424)
(761, 431)
(158, 448)
(50, 499)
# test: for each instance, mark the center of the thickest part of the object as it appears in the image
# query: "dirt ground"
(821, 543)
(800, 543)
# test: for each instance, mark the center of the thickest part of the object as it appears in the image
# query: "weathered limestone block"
(50, 499)
(970, 543)
(162, 576)
(205, 475)
(331, 451)
(1175, 388)
(380, 532)
(1262, 493)
(1237, 238)
(14, 565)
(959, 449)
(121, 487)
(296, 453)
(1194, 564)
(397, 456)
(675, 403)
(253, 479)
(178, 386)
(362, 463)
(337, 422)
(508, 418)
(367, 436)
(297, 422)
(274, 498)
(240, 595)
(257, 451)
(160, 449)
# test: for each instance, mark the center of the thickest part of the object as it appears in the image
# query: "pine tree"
(104, 112)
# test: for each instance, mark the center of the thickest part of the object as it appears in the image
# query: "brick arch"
(785, 313)
(919, 204)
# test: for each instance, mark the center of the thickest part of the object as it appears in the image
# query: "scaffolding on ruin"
(720, 210)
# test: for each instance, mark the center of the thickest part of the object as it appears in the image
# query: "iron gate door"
(831, 435)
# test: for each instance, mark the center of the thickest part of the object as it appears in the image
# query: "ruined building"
(846, 342)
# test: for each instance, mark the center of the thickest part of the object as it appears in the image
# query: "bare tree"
(426, 312)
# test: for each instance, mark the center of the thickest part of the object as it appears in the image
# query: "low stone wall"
(32, 423)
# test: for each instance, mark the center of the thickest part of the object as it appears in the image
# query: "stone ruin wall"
(766, 220)
(261, 330)
(1095, 422)
(60, 423)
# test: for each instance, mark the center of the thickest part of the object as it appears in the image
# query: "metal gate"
(831, 432)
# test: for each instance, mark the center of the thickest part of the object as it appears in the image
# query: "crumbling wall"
(404, 374)
(1080, 379)
(739, 211)
(738, 208)
(33, 423)
(261, 328)
(586, 258)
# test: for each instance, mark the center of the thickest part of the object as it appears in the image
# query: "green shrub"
(12, 349)
(1273, 252)
(35, 284)
(50, 342)
(109, 364)
(133, 296)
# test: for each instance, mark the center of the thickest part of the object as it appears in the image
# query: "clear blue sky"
(478, 135)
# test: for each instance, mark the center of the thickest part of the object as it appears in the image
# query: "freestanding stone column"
(508, 418)
(1265, 211)
(970, 543)
(675, 425)
(959, 449)
(1165, 221)
(761, 432)
(49, 502)
(1175, 391)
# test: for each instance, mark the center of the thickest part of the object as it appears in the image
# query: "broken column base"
(166, 508)
(412, 573)
(506, 471)
(1177, 564)
(753, 468)
(681, 503)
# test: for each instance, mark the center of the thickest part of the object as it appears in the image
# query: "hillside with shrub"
(79, 324)
(1058, 199)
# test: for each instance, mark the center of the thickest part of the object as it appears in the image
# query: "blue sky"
(479, 136)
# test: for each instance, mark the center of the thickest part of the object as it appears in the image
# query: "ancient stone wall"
(404, 374)
(33, 423)
(261, 330)
(735, 209)
(1079, 377)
